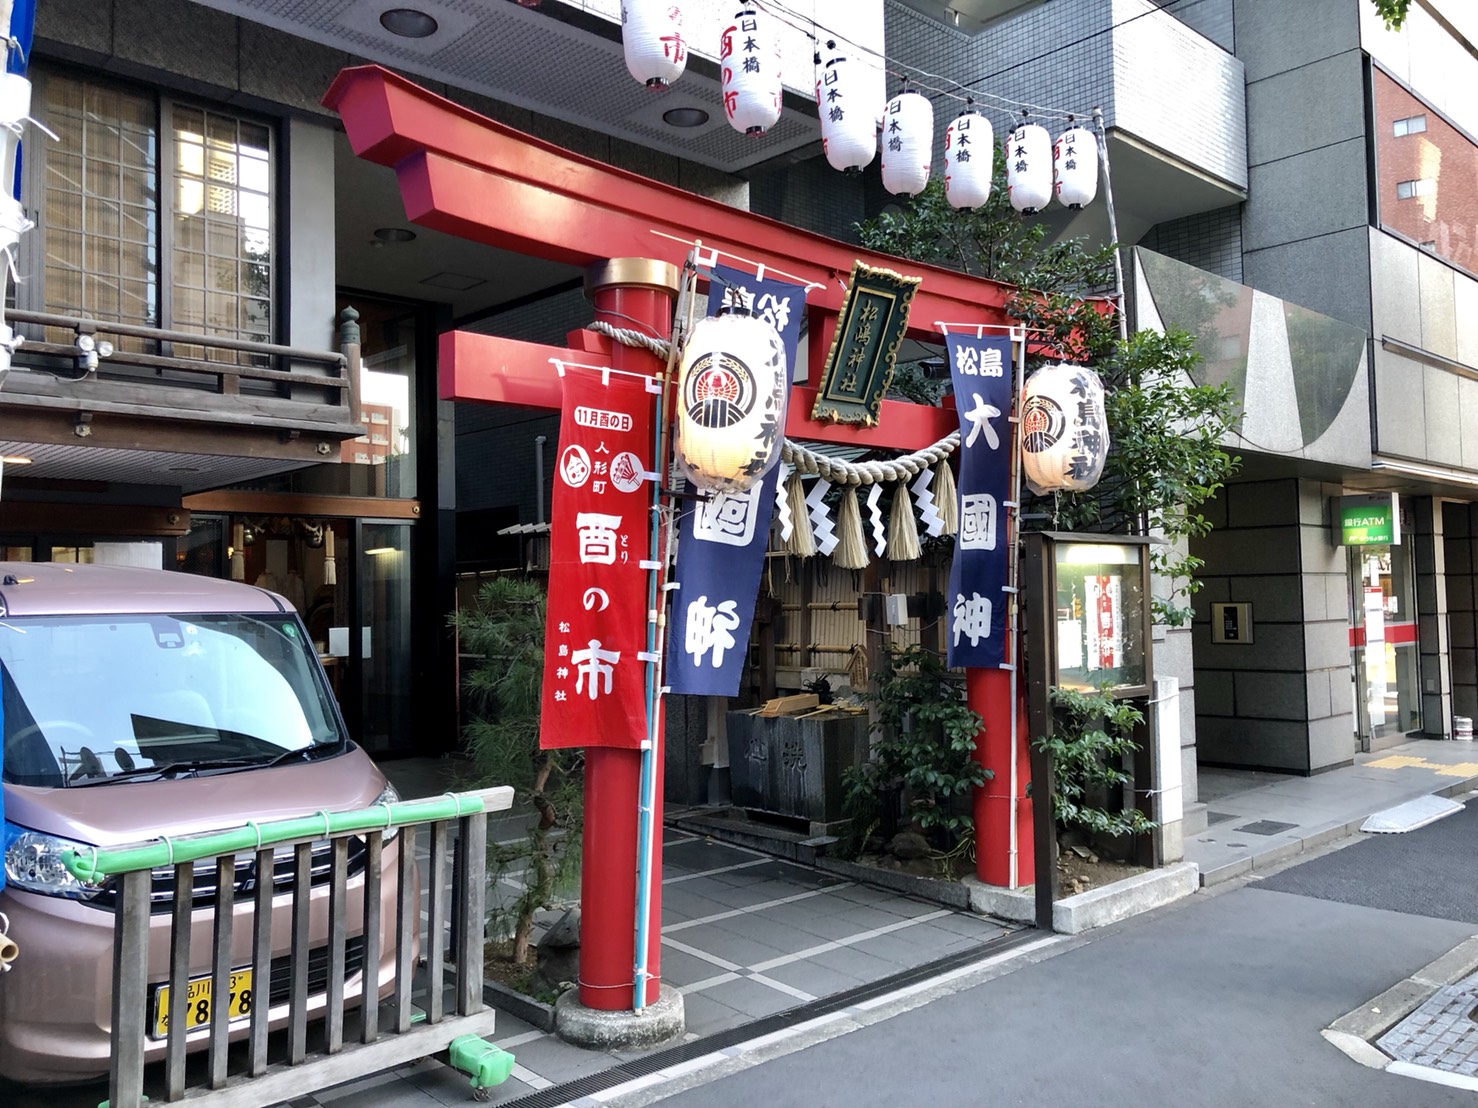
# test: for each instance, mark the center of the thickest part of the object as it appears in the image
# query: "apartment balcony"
(88, 400)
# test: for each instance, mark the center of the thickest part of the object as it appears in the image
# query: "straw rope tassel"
(903, 531)
(946, 499)
(802, 541)
(851, 551)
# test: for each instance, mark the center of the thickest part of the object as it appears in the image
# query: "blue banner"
(722, 541)
(976, 601)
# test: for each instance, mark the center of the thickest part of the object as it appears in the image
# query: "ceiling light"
(15, 460)
(394, 234)
(408, 23)
(685, 117)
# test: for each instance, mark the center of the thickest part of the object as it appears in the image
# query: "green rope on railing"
(93, 865)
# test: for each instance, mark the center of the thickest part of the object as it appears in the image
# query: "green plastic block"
(486, 1064)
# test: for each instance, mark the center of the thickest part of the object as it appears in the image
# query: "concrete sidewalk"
(1274, 818)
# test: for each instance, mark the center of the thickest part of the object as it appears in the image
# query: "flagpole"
(656, 624)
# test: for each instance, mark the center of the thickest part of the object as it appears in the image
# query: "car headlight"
(33, 861)
(390, 795)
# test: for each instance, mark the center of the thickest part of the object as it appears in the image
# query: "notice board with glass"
(1101, 621)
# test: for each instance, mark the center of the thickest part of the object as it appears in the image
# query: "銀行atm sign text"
(1369, 520)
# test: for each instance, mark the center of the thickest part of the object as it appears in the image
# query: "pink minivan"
(139, 703)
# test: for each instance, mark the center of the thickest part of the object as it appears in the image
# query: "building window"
(100, 203)
(155, 213)
(222, 250)
(1427, 172)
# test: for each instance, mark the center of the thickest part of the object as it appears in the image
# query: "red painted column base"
(988, 693)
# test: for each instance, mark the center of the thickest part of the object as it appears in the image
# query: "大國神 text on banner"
(976, 601)
(594, 680)
(722, 541)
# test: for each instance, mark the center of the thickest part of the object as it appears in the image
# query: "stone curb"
(1321, 835)
(1094, 908)
(1354, 1032)
(521, 1007)
(951, 894)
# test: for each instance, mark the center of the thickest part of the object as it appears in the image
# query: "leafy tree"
(1166, 460)
(925, 752)
(1393, 12)
(504, 629)
(1091, 738)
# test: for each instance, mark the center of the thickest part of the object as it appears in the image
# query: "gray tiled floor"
(744, 936)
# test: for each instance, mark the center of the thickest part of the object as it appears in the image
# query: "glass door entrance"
(1383, 654)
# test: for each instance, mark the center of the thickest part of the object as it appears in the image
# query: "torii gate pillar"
(626, 292)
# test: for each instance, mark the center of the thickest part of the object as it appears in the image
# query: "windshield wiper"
(185, 767)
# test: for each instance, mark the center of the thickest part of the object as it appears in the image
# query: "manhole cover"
(1441, 1033)
(1265, 827)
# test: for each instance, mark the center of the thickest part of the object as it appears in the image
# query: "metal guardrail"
(319, 981)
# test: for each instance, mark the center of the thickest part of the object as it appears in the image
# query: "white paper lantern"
(652, 35)
(749, 57)
(969, 158)
(849, 130)
(1064, 429)
(1029, 167)
(731, 401)
(1075, 164)
(908, 143)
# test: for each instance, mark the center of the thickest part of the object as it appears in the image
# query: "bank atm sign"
(1369, 520)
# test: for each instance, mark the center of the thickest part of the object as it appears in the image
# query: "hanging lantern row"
(749, 58)
(1037, 169)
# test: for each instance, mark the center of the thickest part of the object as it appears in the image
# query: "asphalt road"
(1216, 1001)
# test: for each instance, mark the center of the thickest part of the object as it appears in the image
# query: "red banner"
(594, 681)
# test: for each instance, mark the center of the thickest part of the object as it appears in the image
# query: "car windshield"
(93, 699)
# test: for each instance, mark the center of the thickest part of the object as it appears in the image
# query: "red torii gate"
(470, 176)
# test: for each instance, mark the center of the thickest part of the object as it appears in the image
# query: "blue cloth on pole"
(722, 541)
(976, 601)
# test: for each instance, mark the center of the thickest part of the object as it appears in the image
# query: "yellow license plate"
(200, 1005)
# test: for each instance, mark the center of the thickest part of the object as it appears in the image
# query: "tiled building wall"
(1208, 240)
(1178, 91)
(1212, 18)
(1306, 218)
(1281, 702)
(1460, 546)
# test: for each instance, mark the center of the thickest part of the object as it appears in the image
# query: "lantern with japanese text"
(749, 57)
(731, 401)
(652, 35)
(1064, 429)
(1075, 165)
(849, 132)
(1029, 167)
(908, 143)
(969, 158)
